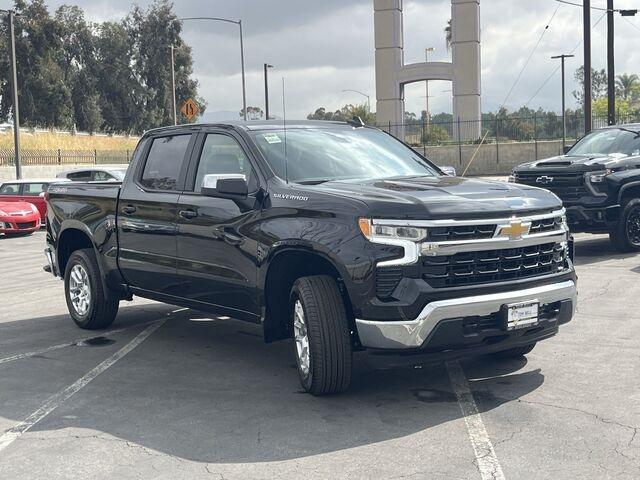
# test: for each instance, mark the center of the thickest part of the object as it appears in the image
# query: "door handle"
(128, 209)
(188, 214)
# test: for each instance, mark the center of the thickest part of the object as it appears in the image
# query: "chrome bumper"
(413, 333)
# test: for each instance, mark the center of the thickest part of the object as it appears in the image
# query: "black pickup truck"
(334, 234)
(598, 179)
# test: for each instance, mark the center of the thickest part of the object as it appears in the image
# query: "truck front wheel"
(322, 343)
(85, 292)
(626, 234)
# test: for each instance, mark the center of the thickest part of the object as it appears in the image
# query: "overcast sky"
(324, 47)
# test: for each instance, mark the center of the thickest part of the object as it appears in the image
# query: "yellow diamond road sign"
(190, 109)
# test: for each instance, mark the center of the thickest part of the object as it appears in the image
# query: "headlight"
(34, 209)
(512, 178)
(3, 213)
(375, 231)
(597, 177)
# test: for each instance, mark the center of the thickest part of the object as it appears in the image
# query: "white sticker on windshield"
(272, 138)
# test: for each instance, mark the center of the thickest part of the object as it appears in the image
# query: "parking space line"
(9, 436)
(486, 459)
(40, 351)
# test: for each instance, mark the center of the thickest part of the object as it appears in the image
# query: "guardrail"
(66, 157)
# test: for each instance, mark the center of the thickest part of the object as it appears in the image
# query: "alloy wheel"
(79, 290)
(301, 338)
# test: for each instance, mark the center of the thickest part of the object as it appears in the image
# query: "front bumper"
(417, 333)
(20, 224)
(592, 219)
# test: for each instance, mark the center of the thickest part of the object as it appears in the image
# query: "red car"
(31, 191)
(18, 217)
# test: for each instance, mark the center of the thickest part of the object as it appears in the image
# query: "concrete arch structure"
(392, 74)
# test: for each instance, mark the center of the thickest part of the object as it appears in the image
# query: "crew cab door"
(216, 252)
(147, 211)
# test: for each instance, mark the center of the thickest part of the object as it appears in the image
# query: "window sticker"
(272, 138)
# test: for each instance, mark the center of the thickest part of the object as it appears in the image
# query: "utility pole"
(14, 93)
(266, 91)
(611, 74)
(426, 86)
(586, 27)
(564, 123)
(173, 86)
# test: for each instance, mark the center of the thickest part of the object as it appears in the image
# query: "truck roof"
(253, 125)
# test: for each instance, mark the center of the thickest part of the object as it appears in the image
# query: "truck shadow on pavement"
(596, 249)
(212, 391)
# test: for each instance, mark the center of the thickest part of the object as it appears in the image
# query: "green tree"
(253, 113)
(625, 84)
(598, 84)
(448, 34)
(600, 107)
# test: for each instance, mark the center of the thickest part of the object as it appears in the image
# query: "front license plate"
(522, 315)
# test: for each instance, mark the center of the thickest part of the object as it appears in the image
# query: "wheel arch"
(628, 192)
(284, 267)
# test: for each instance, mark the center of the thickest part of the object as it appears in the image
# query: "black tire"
(514, 352)
(327, 330)
(101, 310)
(626, 234)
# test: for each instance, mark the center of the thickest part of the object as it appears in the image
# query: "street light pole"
(239, 23)
(266, 91)
(611, 75)
(14, 93)
(363, 94)
(586, 27)
(173, 86)
(426, 86)
(564, 124)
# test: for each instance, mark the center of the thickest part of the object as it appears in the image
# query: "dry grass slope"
(53, 140)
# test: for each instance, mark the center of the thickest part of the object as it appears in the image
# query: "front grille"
(568, 186)
(25, 225)
(474, 268)
(460, 232)
(546, 225)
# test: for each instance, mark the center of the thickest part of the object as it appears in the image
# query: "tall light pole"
(564, 124)
(611, 74)
(266, 90)
(173, 86)
(586, 29)
(239, 23)
(364, 95)
(426, 85)
(14, 92)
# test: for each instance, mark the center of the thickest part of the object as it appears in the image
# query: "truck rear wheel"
(322, 342)
(626, 234)
(85, 293)
(514, 352)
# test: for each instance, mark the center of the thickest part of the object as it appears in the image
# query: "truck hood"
(577, 162)
(444, 197)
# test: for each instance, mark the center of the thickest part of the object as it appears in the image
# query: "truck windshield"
(608, 142)
(316, 155)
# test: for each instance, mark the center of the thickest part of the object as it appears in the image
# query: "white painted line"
(40, 351)
(9, 436)
(486, 459)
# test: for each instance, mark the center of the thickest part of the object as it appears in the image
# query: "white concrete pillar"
(389, 61)
(465, 51)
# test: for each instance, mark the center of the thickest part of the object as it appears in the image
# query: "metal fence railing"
(66, 157)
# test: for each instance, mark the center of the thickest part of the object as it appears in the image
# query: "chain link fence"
(66, 157)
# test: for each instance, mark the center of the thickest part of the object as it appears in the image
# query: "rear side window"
(164, 162)
(9, 189)
(79, 176)
(34, 189)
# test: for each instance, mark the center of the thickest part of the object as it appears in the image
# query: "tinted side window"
(79, 176)
(34, 189)
(164, 162)
(9, 189)
(222, 154)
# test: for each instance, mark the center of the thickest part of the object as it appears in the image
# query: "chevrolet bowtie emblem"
(514, 230)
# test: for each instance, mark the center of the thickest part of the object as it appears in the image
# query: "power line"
(529, 58)
(581, 6)
(631, 23)
(558, 67)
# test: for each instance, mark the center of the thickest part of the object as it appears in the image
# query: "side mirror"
(226, 185)
(42, 194)
(448, 170)
(566, 149)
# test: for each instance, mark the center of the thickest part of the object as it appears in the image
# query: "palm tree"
(447, 34)
(625, 84)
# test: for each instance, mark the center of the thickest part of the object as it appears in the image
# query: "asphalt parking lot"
(168, 393)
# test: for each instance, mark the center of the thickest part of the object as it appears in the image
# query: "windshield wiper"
(317, 181)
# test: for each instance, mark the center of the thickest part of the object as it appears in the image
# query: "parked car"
(18, 218)
(336, 235)
(31, 191)
(96, 174)
(598, 180)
